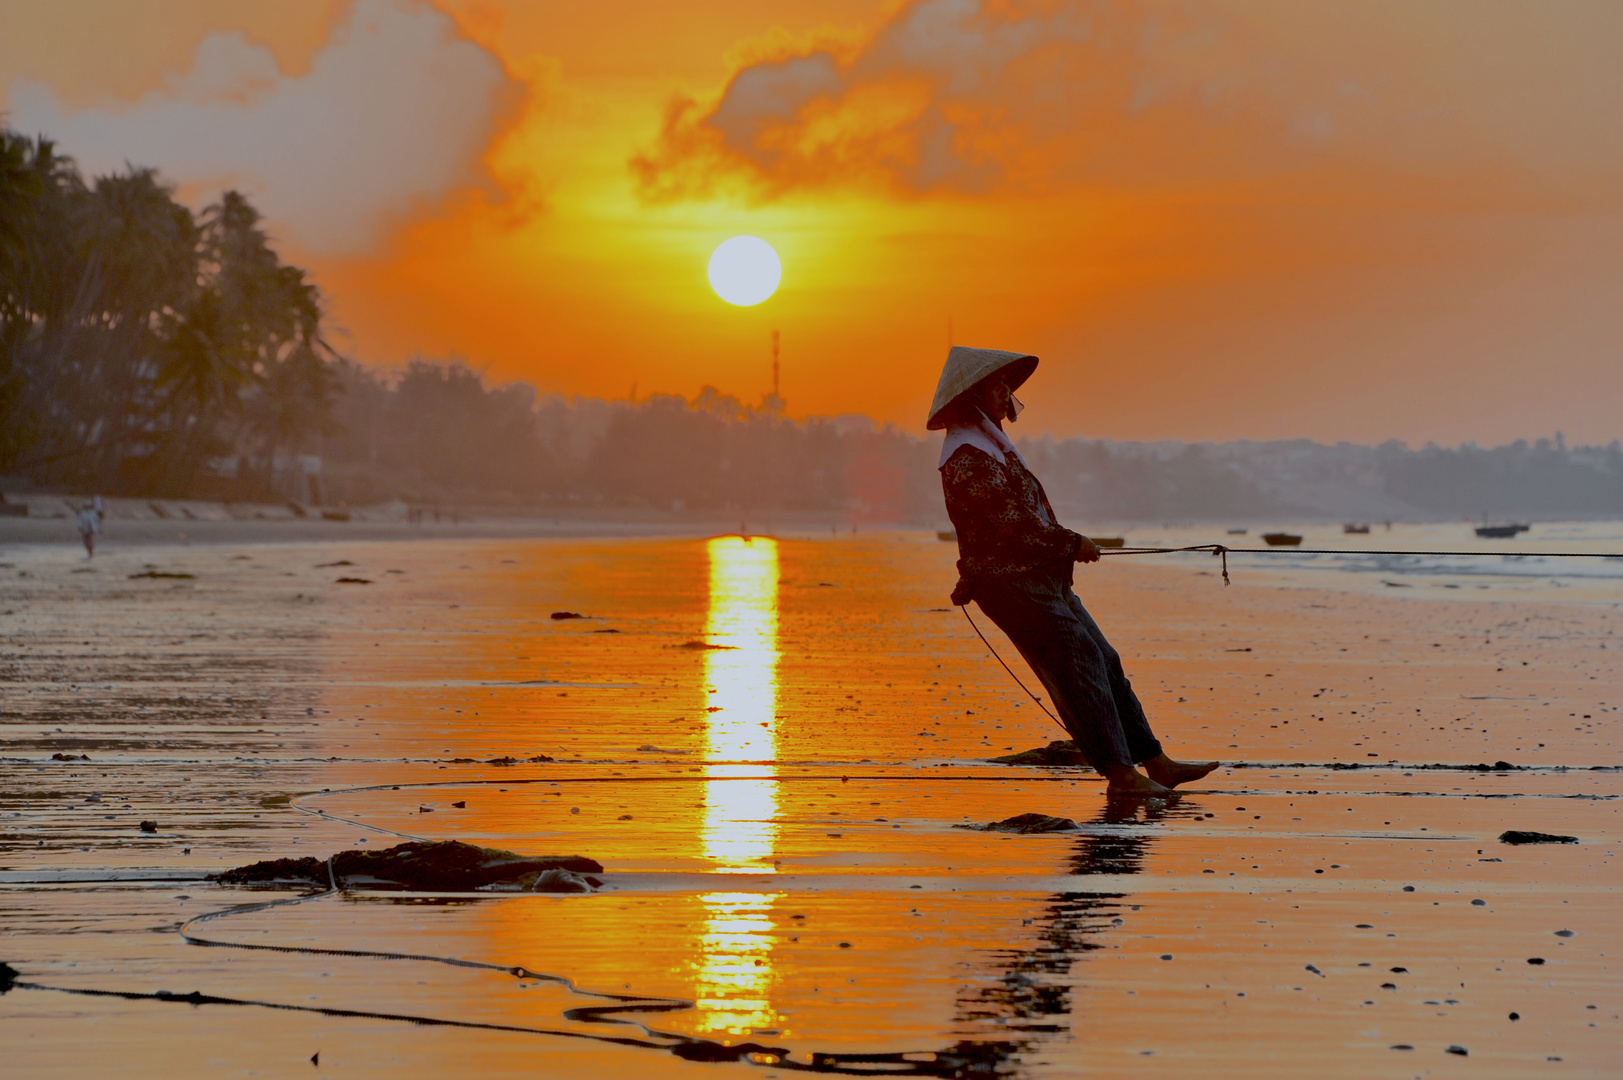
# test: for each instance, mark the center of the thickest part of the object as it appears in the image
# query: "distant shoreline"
(130, 522)
(137, 523)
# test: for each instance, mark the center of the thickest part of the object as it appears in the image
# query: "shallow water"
(768, 745)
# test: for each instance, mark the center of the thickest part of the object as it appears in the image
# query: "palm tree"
(37, 188)
(135, 339)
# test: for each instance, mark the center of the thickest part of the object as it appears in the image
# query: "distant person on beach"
(1017, 563)
(90, 525)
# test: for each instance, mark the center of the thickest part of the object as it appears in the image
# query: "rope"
(949, 1063)
(687, 1047)
(1366, 551)
(1215, 549)
(1006, 667)
(1222, 551)
(624, 1002)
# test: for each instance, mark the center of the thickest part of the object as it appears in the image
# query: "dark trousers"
(1083, 674)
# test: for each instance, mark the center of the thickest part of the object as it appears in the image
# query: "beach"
(773, 747)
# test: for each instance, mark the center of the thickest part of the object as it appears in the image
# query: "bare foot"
(1128, 782)
(1163, 770)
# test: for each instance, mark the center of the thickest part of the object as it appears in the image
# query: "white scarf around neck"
(984, 436)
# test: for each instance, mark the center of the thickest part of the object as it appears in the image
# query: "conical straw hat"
(965, 367)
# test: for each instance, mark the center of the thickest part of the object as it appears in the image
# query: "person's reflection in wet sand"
(1028, 992)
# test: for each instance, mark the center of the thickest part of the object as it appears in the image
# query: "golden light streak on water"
(735, 970)
(739, 829)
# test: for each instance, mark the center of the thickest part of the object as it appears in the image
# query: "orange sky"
(1358, 220)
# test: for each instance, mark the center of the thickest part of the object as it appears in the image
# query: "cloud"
(394, 115)
(970, 96)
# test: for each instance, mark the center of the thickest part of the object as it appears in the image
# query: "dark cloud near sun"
(967, 96)
(393, 116)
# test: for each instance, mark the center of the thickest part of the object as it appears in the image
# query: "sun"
(745, 270)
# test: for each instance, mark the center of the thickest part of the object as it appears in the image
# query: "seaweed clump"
(1025, 824)
(432, 866)
(1057, 753)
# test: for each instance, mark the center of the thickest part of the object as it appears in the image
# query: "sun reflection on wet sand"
(1019, 953)
(735, 970)
(739, 828)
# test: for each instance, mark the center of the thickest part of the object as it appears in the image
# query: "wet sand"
(776, 815)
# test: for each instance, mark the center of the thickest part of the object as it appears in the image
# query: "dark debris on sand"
(1517, 836)
(1026, 823)
(435, 866)
(539, 759)
(1061, 752)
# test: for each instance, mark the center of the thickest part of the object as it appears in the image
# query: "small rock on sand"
(561, 881)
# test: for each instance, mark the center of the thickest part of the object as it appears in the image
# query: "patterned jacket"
(1006, 527)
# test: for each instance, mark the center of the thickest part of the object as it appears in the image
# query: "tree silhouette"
(136, 340)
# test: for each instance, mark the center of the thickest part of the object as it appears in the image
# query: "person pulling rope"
(1017, 564)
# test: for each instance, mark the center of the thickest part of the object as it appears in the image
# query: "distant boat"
(1236, 532)
(1281, 539)
(1499, 532)
(1108, 541)
(950, 535)
(1353, 529)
